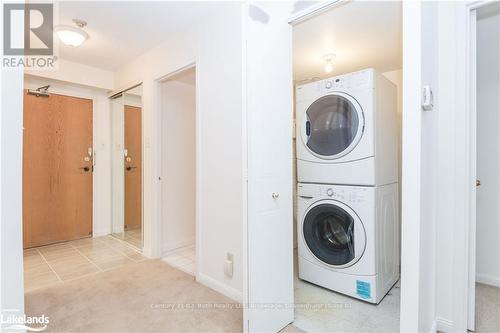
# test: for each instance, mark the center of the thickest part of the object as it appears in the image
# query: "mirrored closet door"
(126, 129)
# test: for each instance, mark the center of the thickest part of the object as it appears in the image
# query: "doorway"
(126, 161)
(57, 168)
(178, 169)
(318, 304)
(484, 275)
(335, 56)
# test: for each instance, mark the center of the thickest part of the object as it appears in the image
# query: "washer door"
(334, 234)
(333, 126)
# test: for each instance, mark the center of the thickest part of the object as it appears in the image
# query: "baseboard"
(98, 233)
(172, 247)
(491, 280)
(433, 327)
(444, 325)
(220, 287)
(148, 253)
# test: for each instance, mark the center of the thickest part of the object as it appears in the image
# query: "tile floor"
(134, 237)
(321, 310)
(131, 236)
(51, 264)
(183, 259)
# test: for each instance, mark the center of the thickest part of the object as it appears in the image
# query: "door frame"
(55, 89)
(411, 290)
(471, 157)
(158, 118)
(411, 248)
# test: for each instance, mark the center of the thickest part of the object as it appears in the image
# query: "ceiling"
(361, 34)
(121, 31)
(492, 9)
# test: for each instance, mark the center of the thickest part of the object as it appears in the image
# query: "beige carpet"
(147, 296)
(487, 309)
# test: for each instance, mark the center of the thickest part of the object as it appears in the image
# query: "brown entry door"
(133, 169)
(57, 169)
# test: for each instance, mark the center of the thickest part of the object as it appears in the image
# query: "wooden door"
(57, 169)
(133, 167)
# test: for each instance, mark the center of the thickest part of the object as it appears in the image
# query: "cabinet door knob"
(275, 195)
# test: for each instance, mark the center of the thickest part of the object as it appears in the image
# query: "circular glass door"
(333, 235)
(333, 126)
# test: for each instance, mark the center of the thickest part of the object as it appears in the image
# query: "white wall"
(76, 73)
(428, 156)
(452, 212)
(215, 44)
(419, 152)
(488, 150)
(178, 197)
(101, 139)
(11, 241)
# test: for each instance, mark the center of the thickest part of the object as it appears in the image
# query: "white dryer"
(348, 238)
(347, 130)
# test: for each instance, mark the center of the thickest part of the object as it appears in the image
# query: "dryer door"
(334, 234)
(333, 126)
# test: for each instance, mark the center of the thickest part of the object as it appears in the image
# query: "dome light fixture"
(328, 58)
(72, 36)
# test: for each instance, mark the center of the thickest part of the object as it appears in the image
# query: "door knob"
(275, 195)
(85, 168)
(130, 168)
(478, 182)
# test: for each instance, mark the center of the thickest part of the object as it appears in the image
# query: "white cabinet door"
(268, 94)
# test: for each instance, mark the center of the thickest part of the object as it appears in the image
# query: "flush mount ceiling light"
(72, 36)
(328, 58)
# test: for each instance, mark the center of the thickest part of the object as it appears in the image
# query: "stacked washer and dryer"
(347, 169)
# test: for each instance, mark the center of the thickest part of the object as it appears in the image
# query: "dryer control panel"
(357, 80)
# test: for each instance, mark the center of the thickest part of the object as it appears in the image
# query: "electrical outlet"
(228, 265)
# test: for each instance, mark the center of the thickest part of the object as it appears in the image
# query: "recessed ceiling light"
(329, 62)
(72, 36)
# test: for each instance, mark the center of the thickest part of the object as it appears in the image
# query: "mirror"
(126, 161)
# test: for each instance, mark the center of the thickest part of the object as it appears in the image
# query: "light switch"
(427, 98)
(228, 265)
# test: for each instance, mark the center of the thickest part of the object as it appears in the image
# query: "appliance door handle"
(308, 128)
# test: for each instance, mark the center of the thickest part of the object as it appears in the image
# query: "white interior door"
(471, 292)
(267, 59)
(484, 263)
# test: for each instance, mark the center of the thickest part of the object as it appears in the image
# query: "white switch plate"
(427, 98)
(228, 265)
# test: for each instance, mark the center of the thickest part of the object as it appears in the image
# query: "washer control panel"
(342, 193)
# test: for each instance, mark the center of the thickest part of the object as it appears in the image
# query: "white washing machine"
(347, 130)
(348, 238)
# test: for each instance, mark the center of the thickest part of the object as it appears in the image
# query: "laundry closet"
(347, 111)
